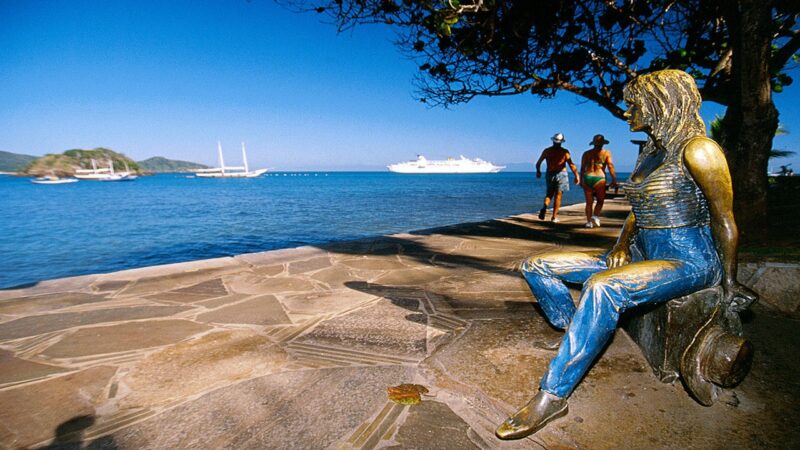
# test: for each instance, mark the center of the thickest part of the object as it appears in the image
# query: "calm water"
(91, 227)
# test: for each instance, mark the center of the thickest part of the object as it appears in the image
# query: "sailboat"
(94, 173)
(104, 173)
(230, 171)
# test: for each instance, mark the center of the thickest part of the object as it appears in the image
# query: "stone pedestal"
(664, 331)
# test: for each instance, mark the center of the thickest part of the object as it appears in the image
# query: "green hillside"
(66, 163)
(159, 164)
(14, 162)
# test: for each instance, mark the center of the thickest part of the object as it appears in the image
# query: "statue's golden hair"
(670, 105)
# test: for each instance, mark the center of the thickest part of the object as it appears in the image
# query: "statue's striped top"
(668, 197)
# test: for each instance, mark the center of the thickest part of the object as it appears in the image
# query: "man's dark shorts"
(557, 181)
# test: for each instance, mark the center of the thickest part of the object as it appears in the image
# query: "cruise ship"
(449, 165)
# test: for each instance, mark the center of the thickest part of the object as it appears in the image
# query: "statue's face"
(635, 117)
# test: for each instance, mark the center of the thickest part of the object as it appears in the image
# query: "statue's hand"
(618, 256)
(538, 174)
(737, 297)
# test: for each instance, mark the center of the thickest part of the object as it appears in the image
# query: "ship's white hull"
(92, 176)
(107, 177)
(119, 177)
(253, 174)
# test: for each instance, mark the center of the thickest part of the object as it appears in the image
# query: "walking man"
(557, 180)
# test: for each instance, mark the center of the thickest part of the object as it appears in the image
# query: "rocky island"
(65, 164)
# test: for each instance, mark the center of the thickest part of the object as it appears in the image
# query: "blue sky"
(172, 78)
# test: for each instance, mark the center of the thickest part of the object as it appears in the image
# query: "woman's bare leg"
(600, 193)
(589, 195)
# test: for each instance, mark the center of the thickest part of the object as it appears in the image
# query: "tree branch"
(723, 64)
(781, 57)
(589, 94)
(601, 52)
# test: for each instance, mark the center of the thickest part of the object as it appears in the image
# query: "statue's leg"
(546, 275)
(605, 295)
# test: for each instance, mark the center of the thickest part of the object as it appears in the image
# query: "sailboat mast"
(244, 158)
(111, 166)
(94, 166)
(221, 161)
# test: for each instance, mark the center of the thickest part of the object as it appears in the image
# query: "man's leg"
(547, 198)
(556, 204)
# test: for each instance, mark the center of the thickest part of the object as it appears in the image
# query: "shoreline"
(767, 275)
(567, 207)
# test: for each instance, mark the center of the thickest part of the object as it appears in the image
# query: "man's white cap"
(558, 138)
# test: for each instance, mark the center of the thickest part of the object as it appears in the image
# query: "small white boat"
(230, 171)
(52, 179)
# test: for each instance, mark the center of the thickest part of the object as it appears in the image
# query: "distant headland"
(65, 164)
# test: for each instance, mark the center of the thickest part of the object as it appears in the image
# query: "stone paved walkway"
(296, 348)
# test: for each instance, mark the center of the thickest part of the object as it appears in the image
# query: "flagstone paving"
(295, 349)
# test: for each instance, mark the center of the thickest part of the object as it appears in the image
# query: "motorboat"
(52, 179)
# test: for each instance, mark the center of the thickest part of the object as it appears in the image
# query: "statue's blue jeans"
(666, 263)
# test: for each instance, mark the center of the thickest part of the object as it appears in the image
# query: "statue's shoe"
(543, 408)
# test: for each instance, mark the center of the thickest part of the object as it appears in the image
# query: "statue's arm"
(620, 254)
(706, 163)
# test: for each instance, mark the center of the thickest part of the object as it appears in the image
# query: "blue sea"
(54, 231)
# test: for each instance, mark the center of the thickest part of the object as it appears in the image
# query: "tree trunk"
(751, 119)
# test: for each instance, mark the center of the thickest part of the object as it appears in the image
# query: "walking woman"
(593, 178)
(679, 238)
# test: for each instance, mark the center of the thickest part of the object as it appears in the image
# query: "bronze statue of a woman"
(680, 237)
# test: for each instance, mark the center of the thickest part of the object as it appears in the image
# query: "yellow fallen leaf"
(406, 394)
